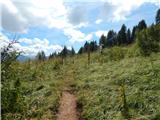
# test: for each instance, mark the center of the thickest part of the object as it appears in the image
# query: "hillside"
(129, 88)
(106, 89)
(80, 60)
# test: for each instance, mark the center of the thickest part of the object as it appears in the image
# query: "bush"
(13, 102)
(116, 53)
(148, 40)
(133, 51)
(57, 63)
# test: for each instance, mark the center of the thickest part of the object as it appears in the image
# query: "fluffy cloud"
(3, 40)
(27, 13)
(77, 14)
(117, 10)
(10, 12)
(19, 16)
(32, 46)
(98, 21)
(100, 32)
(89, 37)
(77, 36)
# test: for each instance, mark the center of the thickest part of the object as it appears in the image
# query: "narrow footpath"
(68, 107)
(68, 103)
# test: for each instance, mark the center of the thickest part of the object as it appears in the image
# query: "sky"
(48, 25)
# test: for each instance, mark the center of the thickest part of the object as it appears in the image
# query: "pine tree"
(80, 50)
(85, 49)
(122, 36)
(95, 46)
(133, 35)
(64, 52)
(41, 56)
(72, 51)
(111, 38)
(8, 56)
(128, 36)
(148, 40)
(102, 41)
(52, 55)
(91, 46)
(158, 17)
(142, 25)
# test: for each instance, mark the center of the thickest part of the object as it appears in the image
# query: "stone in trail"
(68, 107)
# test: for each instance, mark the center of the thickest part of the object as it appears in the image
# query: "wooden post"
(88, 54)
(101, 52)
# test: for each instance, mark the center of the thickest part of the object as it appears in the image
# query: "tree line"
(64, 53)
(123, 37)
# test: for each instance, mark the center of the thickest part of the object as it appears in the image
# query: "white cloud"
(53, 13)
(26, 40)
(89, 37)
(36, 44)
(98, 21)
(69, 48)
(100, 32)
(119, 9)
(32, 45)
(77, 14)
(76, 35)
(28, 13)
(81, 25)
(20, 15)
(3, 40)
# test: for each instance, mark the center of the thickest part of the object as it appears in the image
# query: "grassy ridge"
(99, 87)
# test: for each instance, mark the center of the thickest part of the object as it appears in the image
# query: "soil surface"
(68, 107)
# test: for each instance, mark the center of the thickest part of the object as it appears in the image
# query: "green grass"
(41, 86)
(99, 92)
(98, 86)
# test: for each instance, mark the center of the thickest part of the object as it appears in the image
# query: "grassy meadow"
(119, 87)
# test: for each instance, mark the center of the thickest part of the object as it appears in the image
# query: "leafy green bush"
(133, 51)
(116, 53)
(12, 96)
(148, 40)
(12, 100)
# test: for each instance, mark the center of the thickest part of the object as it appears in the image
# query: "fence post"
(88, 50)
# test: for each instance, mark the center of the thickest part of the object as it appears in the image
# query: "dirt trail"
(68, 102)
(68, 107)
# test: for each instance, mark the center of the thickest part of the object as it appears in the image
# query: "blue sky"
(48, 25)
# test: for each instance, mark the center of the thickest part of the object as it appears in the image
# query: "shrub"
(116, 53)
(133, 51)
(12, 97)
(57, 63)
(148, 40)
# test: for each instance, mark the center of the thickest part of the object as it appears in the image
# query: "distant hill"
(24, 58)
